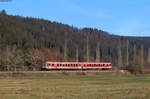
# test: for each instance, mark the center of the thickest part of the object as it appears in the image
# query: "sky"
(119, 17)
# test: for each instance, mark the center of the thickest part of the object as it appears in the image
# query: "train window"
(60, 64)
(44, 64)
(48, 64)
(52, 64)
(57, 64)
(68, 64)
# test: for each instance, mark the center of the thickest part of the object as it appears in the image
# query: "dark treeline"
(25, 43)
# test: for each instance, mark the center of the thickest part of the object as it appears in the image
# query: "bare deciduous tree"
(148, 59)
(37, 58)
(77, 54)
(65, 51)
(141, 66)
(127, 53)
(87, 50)
(119, 55)
(98, 52)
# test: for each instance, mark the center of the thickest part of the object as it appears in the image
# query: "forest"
(26, 43)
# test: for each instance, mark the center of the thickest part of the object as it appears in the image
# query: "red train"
(76, 66)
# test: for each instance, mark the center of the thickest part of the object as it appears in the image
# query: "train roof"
(78, 62)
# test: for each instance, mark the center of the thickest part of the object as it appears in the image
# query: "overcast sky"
(121, 17)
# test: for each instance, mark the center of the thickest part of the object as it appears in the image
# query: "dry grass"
(57, 86)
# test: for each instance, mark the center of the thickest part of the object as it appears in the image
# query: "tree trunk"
(65, 51)
(119, 55)
(148, 60)
(134, 53)
(98, 52)
(127, 53)
(77, 54)
(141, 68)
(142, 54)
(87, 50)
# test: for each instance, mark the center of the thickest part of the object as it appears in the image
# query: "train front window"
(47, 64)
(44, 64)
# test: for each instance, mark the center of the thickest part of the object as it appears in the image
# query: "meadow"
(77, 85)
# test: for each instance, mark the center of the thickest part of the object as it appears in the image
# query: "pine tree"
(3, 12)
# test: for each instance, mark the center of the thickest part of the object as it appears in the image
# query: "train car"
(76, 66)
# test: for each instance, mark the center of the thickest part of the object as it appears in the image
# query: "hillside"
(27, 42)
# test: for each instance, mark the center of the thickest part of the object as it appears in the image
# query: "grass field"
(77, 86)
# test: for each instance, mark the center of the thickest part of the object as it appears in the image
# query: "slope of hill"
(28, 42)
